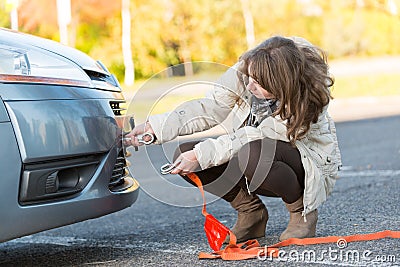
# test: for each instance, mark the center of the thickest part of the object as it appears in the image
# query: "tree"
(126, 43)
(12, 7)
(249, 23)
(63, 18)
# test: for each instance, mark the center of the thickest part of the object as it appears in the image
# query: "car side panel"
(3, 112)
(10, 165)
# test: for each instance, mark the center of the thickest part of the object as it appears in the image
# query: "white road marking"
(54, 240)
(350, 172)
(70, 241)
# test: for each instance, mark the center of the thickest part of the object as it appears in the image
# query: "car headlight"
(34, 65)
(13, 61)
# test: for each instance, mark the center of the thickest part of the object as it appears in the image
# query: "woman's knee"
(256, 157)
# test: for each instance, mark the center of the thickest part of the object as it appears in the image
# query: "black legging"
(279, 174)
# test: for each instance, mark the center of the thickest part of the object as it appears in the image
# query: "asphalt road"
(164, 227)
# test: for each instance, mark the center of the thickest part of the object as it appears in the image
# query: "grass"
(366, 85)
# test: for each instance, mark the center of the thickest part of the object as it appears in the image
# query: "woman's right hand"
(186, 163)
(131, 138)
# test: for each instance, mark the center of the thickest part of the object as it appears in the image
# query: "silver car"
(61, 156)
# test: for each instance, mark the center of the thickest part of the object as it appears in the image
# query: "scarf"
(261, 109)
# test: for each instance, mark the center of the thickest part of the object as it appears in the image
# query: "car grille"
(118, 107)
(120, 171)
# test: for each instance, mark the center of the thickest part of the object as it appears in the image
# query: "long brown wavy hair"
(297, 75)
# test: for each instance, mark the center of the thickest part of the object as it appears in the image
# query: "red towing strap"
(216, 234)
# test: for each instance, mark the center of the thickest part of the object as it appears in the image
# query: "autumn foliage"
(169, 32)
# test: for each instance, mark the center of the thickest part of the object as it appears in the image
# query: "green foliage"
(4, 19)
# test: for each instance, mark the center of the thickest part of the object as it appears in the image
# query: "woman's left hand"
(186, 163)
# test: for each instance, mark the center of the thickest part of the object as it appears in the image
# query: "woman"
(284, 142)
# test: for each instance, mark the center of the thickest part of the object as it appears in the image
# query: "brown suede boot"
(297, 227)
(252, 216)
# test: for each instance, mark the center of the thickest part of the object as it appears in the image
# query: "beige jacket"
(319, 149)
